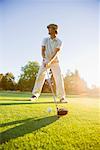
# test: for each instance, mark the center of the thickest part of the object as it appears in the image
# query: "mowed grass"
(28, 126)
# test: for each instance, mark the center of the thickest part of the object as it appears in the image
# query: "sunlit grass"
(25, 125)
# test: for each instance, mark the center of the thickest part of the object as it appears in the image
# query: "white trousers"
(55, 68)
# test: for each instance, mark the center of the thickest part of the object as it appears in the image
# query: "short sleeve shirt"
(50, 45)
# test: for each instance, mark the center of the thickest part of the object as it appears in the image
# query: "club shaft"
(54, 97)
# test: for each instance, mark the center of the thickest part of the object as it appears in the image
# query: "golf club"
(60, 111)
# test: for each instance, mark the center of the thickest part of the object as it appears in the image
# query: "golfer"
(50, 48)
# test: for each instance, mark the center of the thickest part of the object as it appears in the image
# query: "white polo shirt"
(50, 45)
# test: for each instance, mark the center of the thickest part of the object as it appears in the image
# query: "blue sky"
(23, 26)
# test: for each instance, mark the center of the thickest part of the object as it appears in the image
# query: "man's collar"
(53, 38)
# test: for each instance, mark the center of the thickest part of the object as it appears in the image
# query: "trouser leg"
(39, 81)
(60, 91)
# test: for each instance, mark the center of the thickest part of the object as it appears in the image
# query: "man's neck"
(52, 36)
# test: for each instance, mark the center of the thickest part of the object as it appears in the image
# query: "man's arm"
(43, 51)
(43, 55)
(52, 58)
(55, 54)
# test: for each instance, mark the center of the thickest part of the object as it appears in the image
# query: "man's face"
(51, 30)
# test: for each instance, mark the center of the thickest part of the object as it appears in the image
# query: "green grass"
(28, 126)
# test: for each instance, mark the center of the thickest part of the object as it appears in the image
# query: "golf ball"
(49, 109)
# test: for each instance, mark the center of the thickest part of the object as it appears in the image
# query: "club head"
(62, 112)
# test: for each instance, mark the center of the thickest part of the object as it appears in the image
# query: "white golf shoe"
(63, 100)
(33, 98)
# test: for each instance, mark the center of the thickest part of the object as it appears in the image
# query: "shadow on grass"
(25, 102)
(15, 103)
(24, 127)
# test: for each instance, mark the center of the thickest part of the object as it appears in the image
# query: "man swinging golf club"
(50, 48)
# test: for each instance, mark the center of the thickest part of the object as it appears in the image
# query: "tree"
(94, 91)
(46, 87)
(28, 76)
(1, 76)
(8, 82)
(74, 84)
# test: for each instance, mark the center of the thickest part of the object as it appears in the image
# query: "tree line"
(74, 84)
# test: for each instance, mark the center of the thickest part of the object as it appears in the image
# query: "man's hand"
(43, 51)
(45, 62)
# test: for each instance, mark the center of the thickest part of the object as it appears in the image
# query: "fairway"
(28, 126)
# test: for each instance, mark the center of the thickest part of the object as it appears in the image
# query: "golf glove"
(45, 62)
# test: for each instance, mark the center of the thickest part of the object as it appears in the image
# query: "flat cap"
(53, 26)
